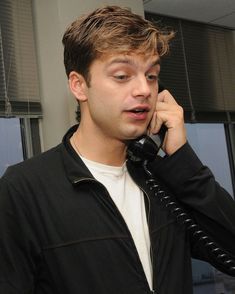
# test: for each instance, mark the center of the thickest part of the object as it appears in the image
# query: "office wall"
(50, 20)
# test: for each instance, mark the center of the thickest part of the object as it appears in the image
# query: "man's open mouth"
(139, 110)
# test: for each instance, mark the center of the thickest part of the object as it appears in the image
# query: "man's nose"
(141, 88)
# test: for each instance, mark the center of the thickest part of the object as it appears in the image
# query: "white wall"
(51, 19)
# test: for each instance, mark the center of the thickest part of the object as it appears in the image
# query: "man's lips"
(139, 112)
(139, 109)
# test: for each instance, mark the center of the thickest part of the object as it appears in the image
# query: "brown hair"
(110, 29)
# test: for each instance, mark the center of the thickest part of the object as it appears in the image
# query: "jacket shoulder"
(34, 167)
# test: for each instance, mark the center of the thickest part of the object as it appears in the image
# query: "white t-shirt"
(129, 199)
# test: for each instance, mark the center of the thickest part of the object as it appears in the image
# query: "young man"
(80, 218)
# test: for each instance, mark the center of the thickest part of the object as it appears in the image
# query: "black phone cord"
(220, 255)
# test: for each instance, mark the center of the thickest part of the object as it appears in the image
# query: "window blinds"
(200, 69)
(19, 87)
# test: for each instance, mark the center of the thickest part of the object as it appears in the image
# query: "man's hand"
(171, 114)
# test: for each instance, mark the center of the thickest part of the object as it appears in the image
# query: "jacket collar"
(77, 171)
(75, 168)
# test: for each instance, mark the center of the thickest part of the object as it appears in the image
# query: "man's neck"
(96, 148)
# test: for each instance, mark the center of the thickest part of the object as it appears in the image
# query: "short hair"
(109, 30)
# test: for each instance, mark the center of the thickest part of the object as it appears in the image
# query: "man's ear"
(78, 86)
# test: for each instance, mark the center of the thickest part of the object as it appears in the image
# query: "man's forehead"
(130, 58)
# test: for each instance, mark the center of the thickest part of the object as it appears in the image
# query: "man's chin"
(135, 135)
(131, 132)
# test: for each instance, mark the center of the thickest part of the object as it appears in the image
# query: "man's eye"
(121, 78)
(152, 77)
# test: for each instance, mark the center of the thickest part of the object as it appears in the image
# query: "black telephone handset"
(147, 147)
(144, 150)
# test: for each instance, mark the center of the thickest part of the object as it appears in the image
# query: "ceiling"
(218, 12)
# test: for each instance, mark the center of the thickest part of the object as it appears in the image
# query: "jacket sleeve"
(209, 204)
(17, 266)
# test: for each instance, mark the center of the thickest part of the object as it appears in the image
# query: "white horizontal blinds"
(18, 67)
(200, 69)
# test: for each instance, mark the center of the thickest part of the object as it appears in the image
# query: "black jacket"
(61, 233)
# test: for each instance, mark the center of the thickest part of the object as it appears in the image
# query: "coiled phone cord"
(183, 218)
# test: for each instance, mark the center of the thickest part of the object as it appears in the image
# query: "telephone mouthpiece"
(143, 149)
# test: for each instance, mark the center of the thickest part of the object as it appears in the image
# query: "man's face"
(122, 95)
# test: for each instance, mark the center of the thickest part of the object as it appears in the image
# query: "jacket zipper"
(77, 181)
(151, 249)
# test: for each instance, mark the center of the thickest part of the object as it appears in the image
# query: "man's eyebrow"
(126, 60)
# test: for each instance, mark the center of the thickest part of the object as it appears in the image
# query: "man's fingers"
(165, 96)
(170, 114)
(156, 123)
